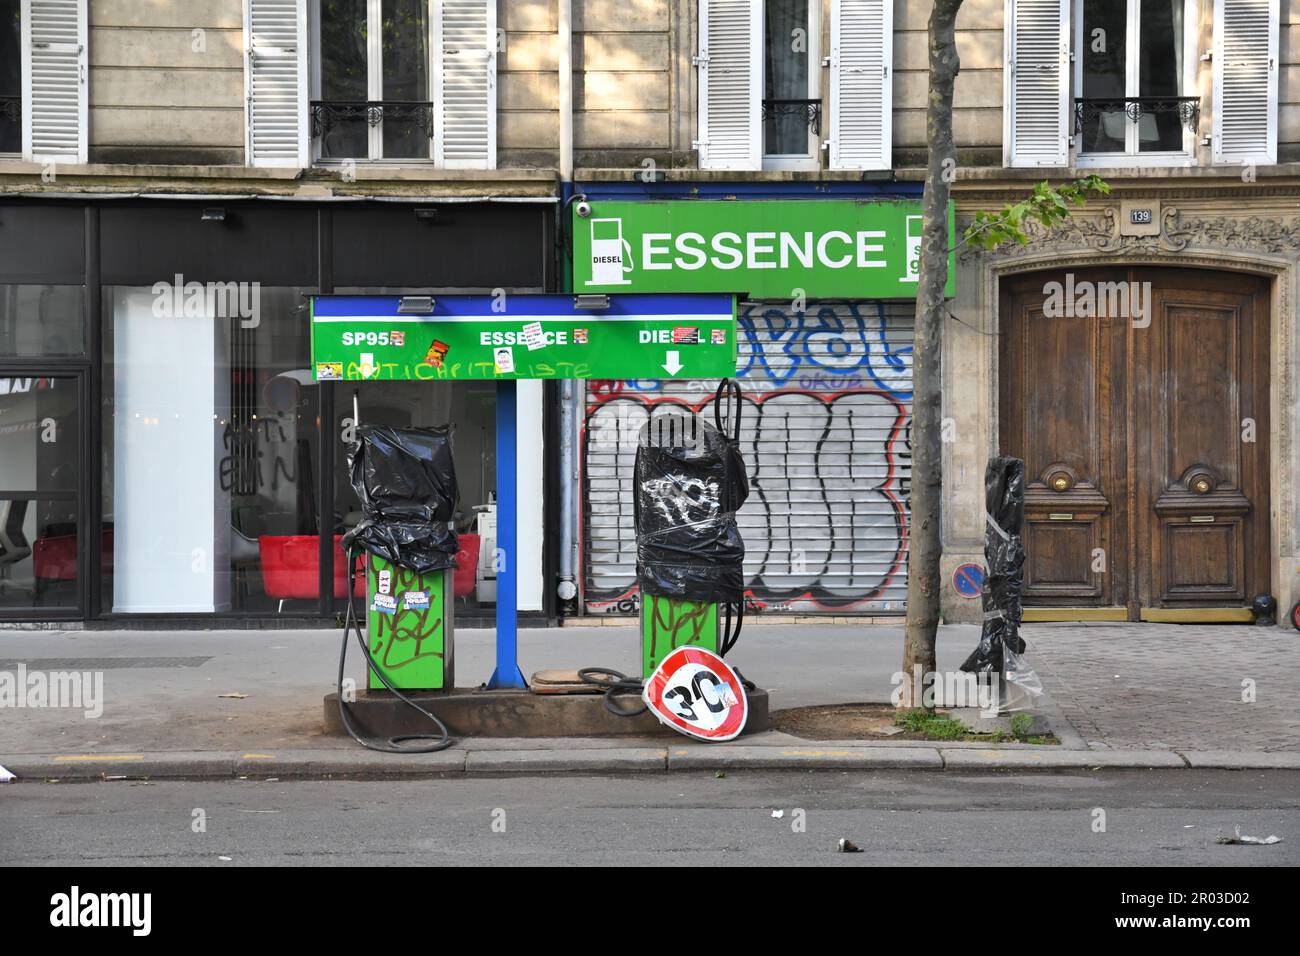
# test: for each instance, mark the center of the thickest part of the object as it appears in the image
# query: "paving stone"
(1171, 686)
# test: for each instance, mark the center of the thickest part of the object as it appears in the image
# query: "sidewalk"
(164, 715)
(1171, 686)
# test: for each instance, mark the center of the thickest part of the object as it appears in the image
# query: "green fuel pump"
(406, 481)
(690, 481)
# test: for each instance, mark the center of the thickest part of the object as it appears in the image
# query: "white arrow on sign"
(674, 364)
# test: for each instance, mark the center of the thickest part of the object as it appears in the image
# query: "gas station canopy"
(507, 336)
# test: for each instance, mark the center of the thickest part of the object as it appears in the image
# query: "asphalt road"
(902, 818)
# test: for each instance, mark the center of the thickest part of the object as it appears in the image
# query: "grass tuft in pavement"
(936, 726)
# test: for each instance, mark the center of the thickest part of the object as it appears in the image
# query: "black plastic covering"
(690, 479)
(1004, 559)
(406, 480)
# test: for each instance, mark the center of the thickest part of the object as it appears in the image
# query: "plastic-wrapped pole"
(1004, 559)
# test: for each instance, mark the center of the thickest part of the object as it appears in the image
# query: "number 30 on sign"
(694, 692)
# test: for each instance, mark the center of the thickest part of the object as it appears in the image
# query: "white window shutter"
(465, 84)
(1245, 81)
(730, 81)
(275, 83)
(1036, 127)
(862, 47)
(55, 101)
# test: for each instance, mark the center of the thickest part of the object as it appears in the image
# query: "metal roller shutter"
(825, 428)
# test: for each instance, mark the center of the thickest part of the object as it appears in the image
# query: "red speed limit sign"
(695, 692)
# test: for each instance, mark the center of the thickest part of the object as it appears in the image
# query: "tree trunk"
(925, 544)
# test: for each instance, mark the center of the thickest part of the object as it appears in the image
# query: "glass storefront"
(470, 407)
(211, 425)
(164, 448)
(45, 321)
(41, 447)
(210, 448)
(40, 469)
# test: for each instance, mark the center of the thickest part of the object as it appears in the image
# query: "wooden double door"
(1144, 427)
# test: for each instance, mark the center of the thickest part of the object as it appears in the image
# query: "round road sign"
(694, 692)
(968, 580)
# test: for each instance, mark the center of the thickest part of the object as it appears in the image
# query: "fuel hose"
(393, 745)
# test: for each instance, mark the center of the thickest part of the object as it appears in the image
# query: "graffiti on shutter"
(825, 432)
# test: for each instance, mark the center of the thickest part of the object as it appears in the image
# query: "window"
(48, 321)
(210, 452)
(375, 96)
(760, 104)
(11, 77)
(791, 111)
(1133, 96)
(1135, 80)
(40, 474)
(405, 80)
(43, 66)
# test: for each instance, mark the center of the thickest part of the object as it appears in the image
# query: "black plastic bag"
(406, 480)
(687, 493)
(1004, 559)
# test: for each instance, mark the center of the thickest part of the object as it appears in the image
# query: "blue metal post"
(507, 673)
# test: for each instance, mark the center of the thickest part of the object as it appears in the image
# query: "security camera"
(582, 208)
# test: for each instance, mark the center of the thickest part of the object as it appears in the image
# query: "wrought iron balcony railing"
(326, 113)
(811, 110)
(1187, 108)
(11, 108)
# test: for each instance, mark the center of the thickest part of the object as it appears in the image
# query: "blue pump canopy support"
(507, 673)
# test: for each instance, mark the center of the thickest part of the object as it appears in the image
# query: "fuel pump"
(690, 481)
(405, 479)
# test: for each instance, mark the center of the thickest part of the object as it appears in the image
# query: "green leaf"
(1046, 206)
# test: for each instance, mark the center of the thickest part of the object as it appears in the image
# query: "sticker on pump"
(694, 692)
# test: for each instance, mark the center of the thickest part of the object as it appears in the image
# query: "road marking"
(258, 757)
(91, 757)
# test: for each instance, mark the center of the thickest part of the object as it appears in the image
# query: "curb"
(804, 758)
(1241, 760)
(611, 760)
(1057, 760)
(325, 764)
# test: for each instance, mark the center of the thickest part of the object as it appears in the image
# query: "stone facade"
(1219, 224)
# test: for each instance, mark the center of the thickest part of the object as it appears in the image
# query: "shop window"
(404, 80)
(470, 408)
(47, 321)
(40, 436)
(1135, 79)
(210, 460)
(11, 77)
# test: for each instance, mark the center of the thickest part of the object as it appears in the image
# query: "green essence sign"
(763, 249)
(466, 337)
